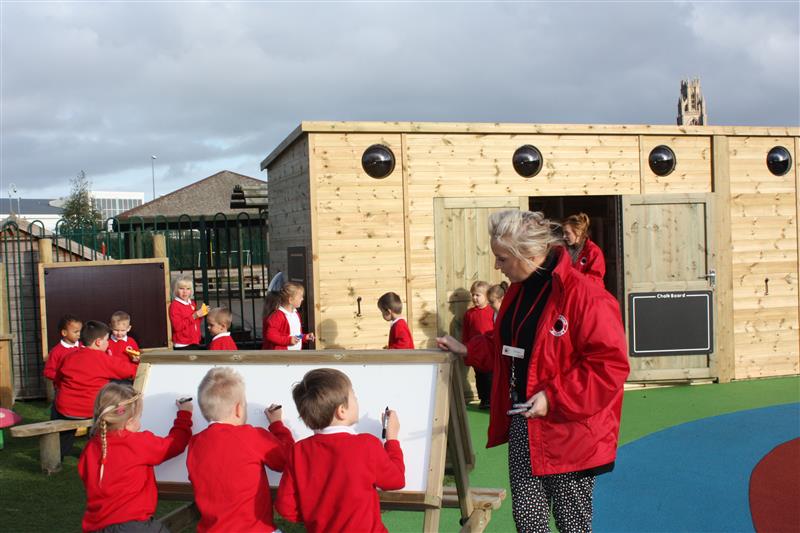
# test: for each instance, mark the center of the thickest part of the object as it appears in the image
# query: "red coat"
(275, 328)
(128, 489)
(400, 336)
(223, 341)
(185, 328)
(330, 481)
(117, 347)
(226, 468)
(582, 372)
(54, 359)
(477, 322)
(81, 376)
(591, 262)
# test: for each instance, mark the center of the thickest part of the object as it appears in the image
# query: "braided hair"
(114, 406)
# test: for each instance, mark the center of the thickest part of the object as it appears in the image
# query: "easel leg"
(431, 522)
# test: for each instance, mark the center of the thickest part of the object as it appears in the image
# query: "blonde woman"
(558, 357)
(586, 256)
(117, 465)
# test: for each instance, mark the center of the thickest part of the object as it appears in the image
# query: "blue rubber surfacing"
(694, 476)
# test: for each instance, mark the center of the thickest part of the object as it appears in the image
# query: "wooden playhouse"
(698, 225)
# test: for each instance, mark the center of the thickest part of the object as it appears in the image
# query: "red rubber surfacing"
(775, 490)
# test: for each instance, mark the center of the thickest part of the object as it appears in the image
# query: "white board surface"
(409, 389)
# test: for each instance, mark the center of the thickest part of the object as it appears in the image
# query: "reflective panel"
(527, 161)
(662, 160)
(378, 161)
(779, 161)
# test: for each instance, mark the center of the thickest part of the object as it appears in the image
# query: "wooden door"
(667, 247)
(463, 256)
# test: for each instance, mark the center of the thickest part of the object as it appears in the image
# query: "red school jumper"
(477, 321)
(117, 346)
(185, 328)
(226, 468)
(330, 480)
(128, 489)
(400, 336)
(81, 376)
(275, 329)
(54, 358)
(223, 341)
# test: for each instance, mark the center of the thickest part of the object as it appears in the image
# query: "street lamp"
(153, 173)
(12, 189)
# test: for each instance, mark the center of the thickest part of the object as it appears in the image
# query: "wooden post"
(50, 453)
(6, 373)
(159, 245)
(45, 257)
(45, 250)
(724, 358)
(4, 318)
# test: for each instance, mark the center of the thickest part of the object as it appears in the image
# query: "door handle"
(711, 277)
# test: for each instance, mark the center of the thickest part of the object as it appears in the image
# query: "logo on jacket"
(583, 260)
(560, 326)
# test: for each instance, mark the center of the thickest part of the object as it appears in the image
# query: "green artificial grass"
(33, 502)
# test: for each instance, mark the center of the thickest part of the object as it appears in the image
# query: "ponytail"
(114, 406)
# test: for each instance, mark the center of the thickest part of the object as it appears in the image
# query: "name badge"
(511, 351)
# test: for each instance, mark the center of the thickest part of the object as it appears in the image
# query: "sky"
(101, 87)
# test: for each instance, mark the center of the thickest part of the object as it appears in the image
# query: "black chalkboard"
(94, 290)
(670, 323)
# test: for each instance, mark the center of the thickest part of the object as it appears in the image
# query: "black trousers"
(483, 382)
(66, 438)
(569, 494)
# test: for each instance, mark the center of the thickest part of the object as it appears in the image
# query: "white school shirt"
(331, 430)
(294, 327)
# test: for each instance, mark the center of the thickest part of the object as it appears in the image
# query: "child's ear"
(340, 412)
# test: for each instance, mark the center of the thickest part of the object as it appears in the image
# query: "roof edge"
(288, 141)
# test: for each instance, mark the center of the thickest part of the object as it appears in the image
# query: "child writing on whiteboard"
(281, 326)
(120, 344)
(184, 316)
(70, 328)
(226, 460)
(331, 477)
(391, 307)
(116, 466)
(219, 322)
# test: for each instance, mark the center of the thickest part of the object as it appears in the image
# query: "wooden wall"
(764, 240)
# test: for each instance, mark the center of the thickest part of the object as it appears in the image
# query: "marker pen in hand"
(185, 399)
(385, 422)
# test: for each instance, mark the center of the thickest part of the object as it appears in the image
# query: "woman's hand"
(539, 405)
(450, 344)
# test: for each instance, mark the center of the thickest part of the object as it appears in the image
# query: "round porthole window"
(378, 161)
(662, 160)
(527, 161)
(779, 161)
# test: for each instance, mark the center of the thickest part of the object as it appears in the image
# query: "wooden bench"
(49, 443)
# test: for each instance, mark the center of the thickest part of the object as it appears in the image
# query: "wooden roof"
(207, 197)
(510, 128)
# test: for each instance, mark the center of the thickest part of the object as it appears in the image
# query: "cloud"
(101, 87)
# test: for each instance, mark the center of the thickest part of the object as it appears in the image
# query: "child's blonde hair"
(275, 299)
(220, 315)
(219, 391)
(182, 280)
(497, 292)
(479, 286)
(119, 316)
(114, 406)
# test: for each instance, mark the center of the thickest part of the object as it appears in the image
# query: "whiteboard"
(408, 388)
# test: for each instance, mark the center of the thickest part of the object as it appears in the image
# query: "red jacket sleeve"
(389, 466)
(160, 449)
(286, 502)
(277, 331)
(599, 375)
(466, 327)
(595, 267)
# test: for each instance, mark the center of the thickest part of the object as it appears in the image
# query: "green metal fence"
(227, 256)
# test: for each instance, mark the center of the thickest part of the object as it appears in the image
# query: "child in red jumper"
(70, 328)
(226, 460)
(219, 322)
(120, 344)
(117, 465)
(184, 316)
(479, 320)
(83, 373)
(391, 307)
(281, 327)
(330, 479)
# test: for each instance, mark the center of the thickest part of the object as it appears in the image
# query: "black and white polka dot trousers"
(531, 496)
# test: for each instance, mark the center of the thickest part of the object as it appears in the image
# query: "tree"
(79, 212)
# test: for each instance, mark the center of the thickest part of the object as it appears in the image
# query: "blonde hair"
(289, 290)
(479, 286)
(496, 292)
(580, 224)
(182, 280)
(114, 406)
(218, 393)
(524, 234)
(220, 315)
(119, 316)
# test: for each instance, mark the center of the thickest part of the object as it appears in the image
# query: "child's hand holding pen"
(274, 413)
(391, 425)
(184, 404)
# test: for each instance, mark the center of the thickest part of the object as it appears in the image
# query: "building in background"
(111, 203)
(691, 105)
(32, 209)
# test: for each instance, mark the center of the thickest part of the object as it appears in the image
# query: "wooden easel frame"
(450, 429)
